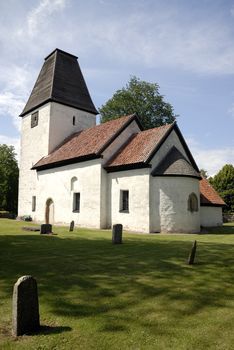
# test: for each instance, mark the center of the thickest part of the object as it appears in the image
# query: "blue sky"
(187, 47)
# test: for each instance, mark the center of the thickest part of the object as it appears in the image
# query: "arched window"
(192, 202)
(73, 183)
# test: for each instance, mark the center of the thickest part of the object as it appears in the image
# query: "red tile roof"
(140, 147)
(87, 143)
(208, 195)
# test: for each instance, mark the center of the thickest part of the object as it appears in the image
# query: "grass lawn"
(138, 295)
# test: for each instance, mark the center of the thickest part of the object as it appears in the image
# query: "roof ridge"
(59, 50)
(53, 74)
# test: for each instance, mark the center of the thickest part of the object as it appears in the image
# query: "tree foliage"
(204, 173)
(223, 182)
(9, 175)
(142, 98)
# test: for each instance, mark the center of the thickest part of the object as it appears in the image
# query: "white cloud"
(11, 141)
(11, 105)
(41, 14)
(15, 81)
(211, 160)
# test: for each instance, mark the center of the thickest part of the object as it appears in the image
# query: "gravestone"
(72, 224)
(25, 315)
(45, 229)
(192, 254)
(117, 234)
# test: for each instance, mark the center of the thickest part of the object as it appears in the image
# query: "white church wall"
(61, 123)
(172, 140)
(211, 216)
(132, 128)
(31, 139)
(169, 205)
(104, 199)
(137, 183)
(56, 184)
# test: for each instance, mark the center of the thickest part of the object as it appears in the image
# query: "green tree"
(223, 182)
(142, 98)
(204, 173)
(9, 176)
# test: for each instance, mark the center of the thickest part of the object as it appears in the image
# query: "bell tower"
(58, 106)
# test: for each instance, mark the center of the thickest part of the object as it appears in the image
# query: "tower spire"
(60, 80)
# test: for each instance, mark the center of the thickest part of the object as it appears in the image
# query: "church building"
(100, 175)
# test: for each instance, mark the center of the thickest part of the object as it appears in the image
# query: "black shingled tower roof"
(60, 80)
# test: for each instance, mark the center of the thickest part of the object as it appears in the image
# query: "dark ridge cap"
(64, 162)
(212, 205)
(124, 167)
(63, 52)
(177, 175)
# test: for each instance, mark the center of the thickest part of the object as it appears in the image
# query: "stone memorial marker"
(72, 224)
(25, 315)
(45, 229)
(192, 254)
(117, 234)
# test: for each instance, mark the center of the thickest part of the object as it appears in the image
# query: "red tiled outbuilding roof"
(86, 144)
(208, 195)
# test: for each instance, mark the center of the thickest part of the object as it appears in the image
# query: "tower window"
(124, 201)
(34, 119)
(74, 120)
(76, 202)
(33, 203)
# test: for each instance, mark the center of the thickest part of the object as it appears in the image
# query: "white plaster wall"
(211, 216)
(34, 145)
(172, 140)
(61, 123)
(169, 204)
(104, 199)
(137, 183)
(56, 184)
(132, 128)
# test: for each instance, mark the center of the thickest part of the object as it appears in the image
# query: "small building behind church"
(100, 175)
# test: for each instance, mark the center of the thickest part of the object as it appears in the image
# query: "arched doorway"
(49, 212)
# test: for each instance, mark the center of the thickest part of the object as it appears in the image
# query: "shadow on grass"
(84, 277)
(44, 330)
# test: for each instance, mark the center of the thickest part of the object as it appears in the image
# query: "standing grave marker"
(25, 313)
(117, 231)
(72, 224)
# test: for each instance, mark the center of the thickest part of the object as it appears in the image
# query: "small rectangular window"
(76, 202)
(34, 119)
(124, 201)
(33, 203)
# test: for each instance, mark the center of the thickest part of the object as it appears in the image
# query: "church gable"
(175, 164)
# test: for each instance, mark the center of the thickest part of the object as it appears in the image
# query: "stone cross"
(25, 313)
(72, 224)
(117, 234)
(46, 228)
(192, 253)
